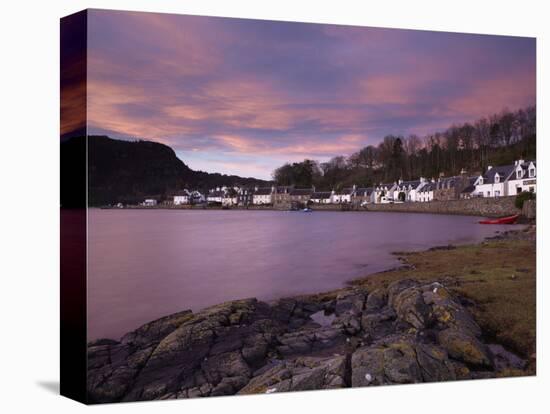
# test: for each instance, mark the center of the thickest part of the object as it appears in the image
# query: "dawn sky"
(244, 96)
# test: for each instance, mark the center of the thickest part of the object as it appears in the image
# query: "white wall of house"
(341, 198)
(383, 191)
(150, 202)
(260, 199)
(425, 196)
(413, 194)
(197, 197)
(522, 180)
(181, 199)
(229, 201)
(320, 200)
(497, 189)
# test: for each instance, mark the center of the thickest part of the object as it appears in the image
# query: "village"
(496, 181)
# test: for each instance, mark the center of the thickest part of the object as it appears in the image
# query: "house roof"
(413, 184)
(263, 191)
(447, 182)
(390, 185)
(469, 189)
(321, 195)
(345, 191)
(364, 191)
(301, 191)
(525, 164)
(503, 171)
(427, 187)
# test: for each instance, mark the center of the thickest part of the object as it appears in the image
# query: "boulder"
(300, 374)
(376, 300)
(409, 306)
(464, 347)
(434, 363)
(394, 363)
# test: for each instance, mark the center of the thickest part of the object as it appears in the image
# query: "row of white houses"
(507, 180)
(499, 181)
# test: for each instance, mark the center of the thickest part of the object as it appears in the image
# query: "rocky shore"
(409, 331)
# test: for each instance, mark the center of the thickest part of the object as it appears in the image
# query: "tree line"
(494, 140)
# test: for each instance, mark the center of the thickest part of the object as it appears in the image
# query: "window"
(518, 174)
(497, 178)
(488, 194)
(531, 172)
(497, 193)
(519, 190)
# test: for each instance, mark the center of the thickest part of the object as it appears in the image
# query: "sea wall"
(529, 209)
(486, 207)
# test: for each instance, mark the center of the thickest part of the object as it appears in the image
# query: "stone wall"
(529, 209)
(486, 207)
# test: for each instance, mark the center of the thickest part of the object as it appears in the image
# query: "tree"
(495, 140)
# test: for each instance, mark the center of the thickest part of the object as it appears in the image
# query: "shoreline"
(250, 340)
(521, 220)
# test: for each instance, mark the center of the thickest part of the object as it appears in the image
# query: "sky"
(243, 97)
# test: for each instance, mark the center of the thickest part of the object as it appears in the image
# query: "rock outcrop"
(408, 333)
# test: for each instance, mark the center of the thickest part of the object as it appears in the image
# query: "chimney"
(463, 171)
(489, 168)
(400, 181)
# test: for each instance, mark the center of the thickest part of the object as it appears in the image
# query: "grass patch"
(498, 276)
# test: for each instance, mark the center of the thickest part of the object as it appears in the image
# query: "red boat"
(503, 220)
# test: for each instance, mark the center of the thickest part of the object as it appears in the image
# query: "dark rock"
(376, 300)
(504, 359)
(378, 324)
(434, 363)
(394, 363)
(349, 302)
(156, 330)
(102, 341)
(464, 347)
(409, 305)
(410, 332)
(300, 374)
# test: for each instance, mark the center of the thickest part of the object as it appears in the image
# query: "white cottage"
(383, 193)
(493, 182)
(263, 196)
(523, 178)
(343, 196)
(470, 190)
(215, 197)
(196, 197)
(182, 197)
(150, 202)
(409, 189)
(229, 199)
(322, 197)
(363, 196)
(425, 193)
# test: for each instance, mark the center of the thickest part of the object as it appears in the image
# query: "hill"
(128, 171)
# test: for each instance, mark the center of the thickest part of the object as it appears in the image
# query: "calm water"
(144, 264)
